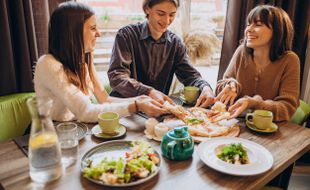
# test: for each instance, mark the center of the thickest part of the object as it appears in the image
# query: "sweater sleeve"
(230, 73)
(285, 104)
(51, 74)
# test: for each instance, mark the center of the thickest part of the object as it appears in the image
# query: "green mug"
(261, 119)
(190, 94)
(108, 122)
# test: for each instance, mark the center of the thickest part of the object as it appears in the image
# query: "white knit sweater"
(69, 102)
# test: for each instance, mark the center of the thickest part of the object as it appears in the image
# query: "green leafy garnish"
(194, 120)
(234, 154)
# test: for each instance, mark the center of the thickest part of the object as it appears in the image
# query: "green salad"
(137, 164)
(233, 153)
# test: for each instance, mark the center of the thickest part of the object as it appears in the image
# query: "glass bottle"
(44, 150)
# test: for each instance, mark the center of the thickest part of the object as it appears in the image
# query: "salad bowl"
(114, 150)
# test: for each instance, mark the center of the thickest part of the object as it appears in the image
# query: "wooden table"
(286, 146)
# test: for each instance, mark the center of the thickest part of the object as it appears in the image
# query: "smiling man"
(146, 55)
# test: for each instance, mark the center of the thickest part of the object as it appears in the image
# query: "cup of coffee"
(108, 122)
(261, 119)
(190, 94)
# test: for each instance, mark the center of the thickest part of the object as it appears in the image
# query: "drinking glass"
(68, 140)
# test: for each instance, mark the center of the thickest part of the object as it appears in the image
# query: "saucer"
(271, 129)
(96, 131)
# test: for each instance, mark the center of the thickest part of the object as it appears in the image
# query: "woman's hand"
(236, 109)
(160, 97)
(149, 106)
(228, 94)
(206, 98)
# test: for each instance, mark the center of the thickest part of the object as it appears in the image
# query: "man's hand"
(206, 98)
(228, 94)
(160, 97)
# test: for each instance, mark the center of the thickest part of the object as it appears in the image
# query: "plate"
(271, 129)
(176, 100)
(82, 128)
(96, 131)
(113, 149)
(260, 158)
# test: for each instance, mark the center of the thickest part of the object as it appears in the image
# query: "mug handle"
(170, 148)
(249, 118)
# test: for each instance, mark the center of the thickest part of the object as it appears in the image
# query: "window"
(207, 17)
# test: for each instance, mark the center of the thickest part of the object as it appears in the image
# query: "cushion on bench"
(14, 115)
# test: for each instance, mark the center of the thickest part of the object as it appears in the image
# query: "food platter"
(234, 132)
(171, 123)
(113, 150)
(260, 158)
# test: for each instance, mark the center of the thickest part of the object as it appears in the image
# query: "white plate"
(260, 158)
(113, 149)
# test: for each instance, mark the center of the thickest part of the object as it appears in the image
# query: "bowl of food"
(121, 163)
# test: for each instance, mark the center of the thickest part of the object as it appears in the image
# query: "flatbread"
(205, 123)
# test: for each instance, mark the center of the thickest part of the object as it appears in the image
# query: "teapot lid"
(179, 132)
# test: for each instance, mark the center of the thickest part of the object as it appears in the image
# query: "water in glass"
(44, 150)
(68, 139)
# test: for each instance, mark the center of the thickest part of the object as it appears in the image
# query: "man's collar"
(146, 33)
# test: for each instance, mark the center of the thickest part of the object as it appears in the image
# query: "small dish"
(96, 131)
(82, 129)
(176, 100)
(271, 129)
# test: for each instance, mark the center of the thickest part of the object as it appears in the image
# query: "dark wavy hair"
(66, 42)
(150, 3)
(281, 25)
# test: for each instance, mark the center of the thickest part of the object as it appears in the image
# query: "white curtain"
(185, 9)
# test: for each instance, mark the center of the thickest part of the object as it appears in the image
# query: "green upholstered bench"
(107, 88)
(301, 114)
(14, 115)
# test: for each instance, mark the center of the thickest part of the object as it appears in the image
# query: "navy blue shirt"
(139, 63)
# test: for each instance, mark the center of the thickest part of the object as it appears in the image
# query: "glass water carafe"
(44, 150)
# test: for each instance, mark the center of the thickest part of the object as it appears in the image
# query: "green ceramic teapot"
(177, 144)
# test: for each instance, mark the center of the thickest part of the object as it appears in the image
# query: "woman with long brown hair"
(67, 74)
(264, 71)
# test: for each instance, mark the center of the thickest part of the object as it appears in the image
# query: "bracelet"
(136, 105)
